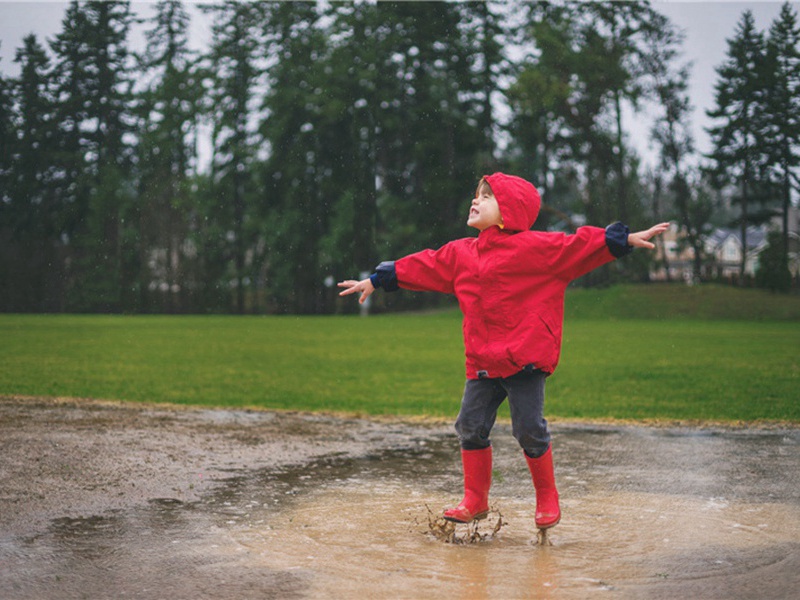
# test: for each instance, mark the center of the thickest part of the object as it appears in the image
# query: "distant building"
(679, 257)
(722, 250)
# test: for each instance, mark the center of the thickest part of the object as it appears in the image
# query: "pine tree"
(432, 138)
(672, 133)
(32, 209)
(539, 99)
(308, 129)
(32, 198)
(618, 32)
(233, 80)
(352, 84)
(738, 143)
(91, 75)
(166, 160)
(8, 134)
(783, 111)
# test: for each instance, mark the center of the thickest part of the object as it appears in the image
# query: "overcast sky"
(707, 25)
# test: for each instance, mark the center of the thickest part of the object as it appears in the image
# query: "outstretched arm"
(363, 287)
(640, 238)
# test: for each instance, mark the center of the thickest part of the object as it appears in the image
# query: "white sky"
(708, 24)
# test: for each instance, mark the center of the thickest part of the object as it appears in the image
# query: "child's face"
(484, 210)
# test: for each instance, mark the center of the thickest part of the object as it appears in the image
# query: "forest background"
(341, 134)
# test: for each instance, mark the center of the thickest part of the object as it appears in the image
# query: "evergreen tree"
(782, 130)
(672, 133)
(71, 61)
(484, 36)
(430, 142)
(233, 81)
(32, 211)
(92, 79)
(539, 99)
(166, 161)
(619, 32)
(738, 139)
(7, 136)
(352, 84)
(29, 186)
(308, 129)
(587, 65)
(773, 270)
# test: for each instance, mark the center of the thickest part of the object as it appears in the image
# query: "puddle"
(647, 513)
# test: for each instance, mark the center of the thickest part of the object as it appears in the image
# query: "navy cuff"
(617, 239)
(385, 277)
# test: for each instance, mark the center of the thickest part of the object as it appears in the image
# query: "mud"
(104, 500)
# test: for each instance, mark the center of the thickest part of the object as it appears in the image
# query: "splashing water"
(468, 533)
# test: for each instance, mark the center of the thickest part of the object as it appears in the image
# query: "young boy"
(510, 283)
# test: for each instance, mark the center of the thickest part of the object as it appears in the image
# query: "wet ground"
(103, 500)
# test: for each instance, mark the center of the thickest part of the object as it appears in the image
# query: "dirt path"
(76, 458)
(109, 500)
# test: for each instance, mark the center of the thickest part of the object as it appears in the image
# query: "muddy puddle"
(647, 513)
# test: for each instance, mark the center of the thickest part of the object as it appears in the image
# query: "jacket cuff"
(385, 277)
(617, 239)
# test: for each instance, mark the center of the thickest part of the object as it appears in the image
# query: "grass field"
(629, 353)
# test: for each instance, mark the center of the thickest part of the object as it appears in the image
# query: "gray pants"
(482, 398)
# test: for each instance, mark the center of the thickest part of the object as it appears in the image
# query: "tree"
(586, 68)
(539, 99)
(299, 107)
(783, 111)
(232, 84)
(618, 31)
(431, 140)
(738, 142)
(773, 270)
(93, 87)
(168, 116)
(32, 211)
(8, 134)
(672, 133)
(353, 82)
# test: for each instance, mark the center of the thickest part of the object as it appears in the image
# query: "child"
(510, 284)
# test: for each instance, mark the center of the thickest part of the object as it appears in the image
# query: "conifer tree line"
(340, 134)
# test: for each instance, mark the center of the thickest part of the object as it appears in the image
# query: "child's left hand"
(363, 287)
(639, 239)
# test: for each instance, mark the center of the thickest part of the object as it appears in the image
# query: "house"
(722, 250)
(679, 257)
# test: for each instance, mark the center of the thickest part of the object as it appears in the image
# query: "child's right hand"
(364, 287)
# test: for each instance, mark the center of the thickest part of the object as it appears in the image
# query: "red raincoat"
(510, 281)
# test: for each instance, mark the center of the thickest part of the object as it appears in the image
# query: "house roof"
(756, 236)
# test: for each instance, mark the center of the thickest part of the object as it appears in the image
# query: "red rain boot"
(548, 514)
(477, 480)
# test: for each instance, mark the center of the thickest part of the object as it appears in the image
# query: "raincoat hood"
(518, 199)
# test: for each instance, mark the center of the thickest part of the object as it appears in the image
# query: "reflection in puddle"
(640, 520)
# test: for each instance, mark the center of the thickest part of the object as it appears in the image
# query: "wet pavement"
(647, 513)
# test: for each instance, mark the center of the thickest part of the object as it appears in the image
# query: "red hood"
(518, 200)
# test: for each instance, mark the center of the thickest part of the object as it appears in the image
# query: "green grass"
(675, 368)
(660, 301)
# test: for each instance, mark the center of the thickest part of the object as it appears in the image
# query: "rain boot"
(477, 481)
(548, 514)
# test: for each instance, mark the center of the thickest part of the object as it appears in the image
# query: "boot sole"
(548, 526)
(478, 517)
